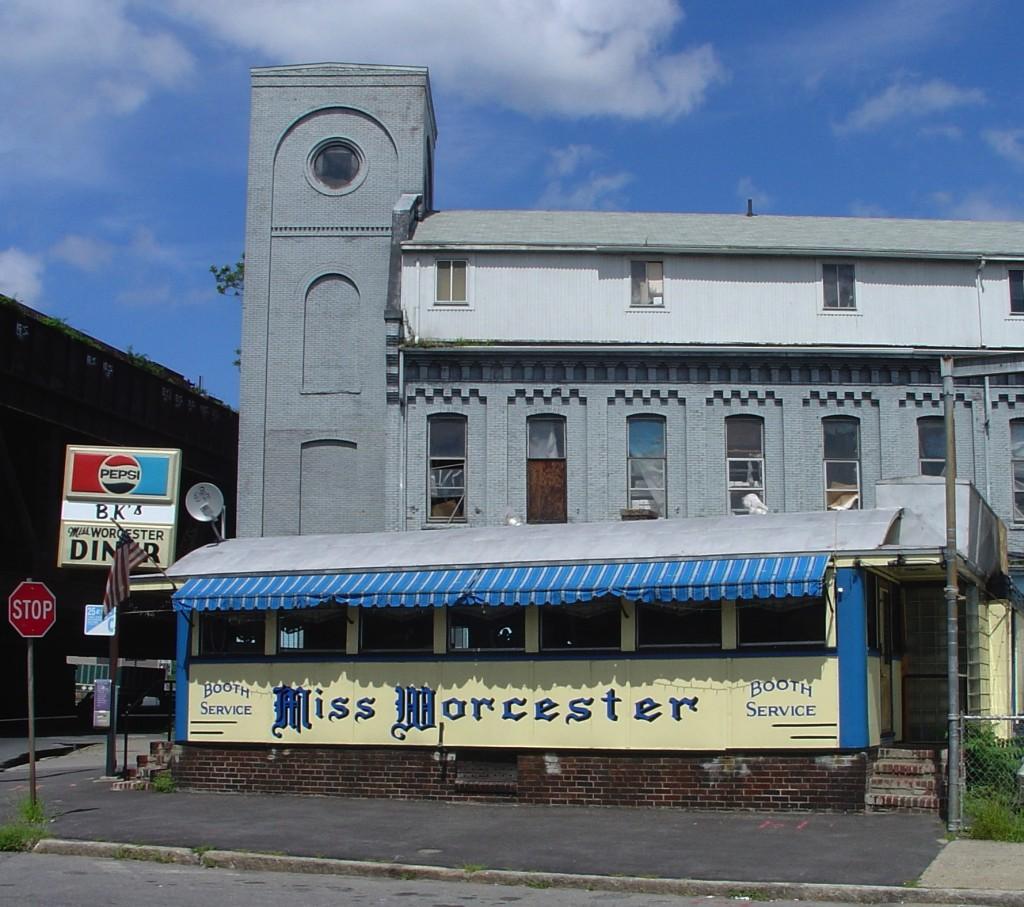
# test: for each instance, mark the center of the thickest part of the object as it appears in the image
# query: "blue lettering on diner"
(787, 685)
(417, 708)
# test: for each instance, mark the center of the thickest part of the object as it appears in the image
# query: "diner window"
(397, 629)
(232, 632)
(546, 498)
(1016, 278)
(451, 281)
(647, 283)
(838, 285)
(322, 629)
(446, 479)
(473, 628)
(931, 445)
(744, 454)
(664, 625)
(841, 447)
(1017, 467)
(645, 465)
(781, 622)
(581, 627)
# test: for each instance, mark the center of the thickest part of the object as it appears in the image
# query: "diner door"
(546, 470)
(925, 702)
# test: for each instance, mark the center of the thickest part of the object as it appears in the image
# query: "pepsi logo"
(119, 474)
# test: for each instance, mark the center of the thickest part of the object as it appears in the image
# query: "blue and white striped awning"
(692, 580)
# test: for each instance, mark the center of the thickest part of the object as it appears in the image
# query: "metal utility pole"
(952, 594)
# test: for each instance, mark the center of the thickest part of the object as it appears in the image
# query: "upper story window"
(931, 445)
(546, 491)
(446, 479)
(1016, 291)
(646, 463)
(232, 632)
(744, 456)
(451, 281)
(781, 622)
(480, 629)
(647, 279)
(1017, 467)
(838, 285)
(841, 448)
(582, 626)
(322, 629)
(335, 167)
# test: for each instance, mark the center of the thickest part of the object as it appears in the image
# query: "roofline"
(663, 349)
(412, 245)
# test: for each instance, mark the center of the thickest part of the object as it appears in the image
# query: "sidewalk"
(906, 852)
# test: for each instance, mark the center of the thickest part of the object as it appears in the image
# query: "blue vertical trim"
(182, 651)
(852, 630)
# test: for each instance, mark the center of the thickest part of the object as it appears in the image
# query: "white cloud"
(904, 100)
(1007, 143)
(569, 189)
(860, 208)
(860, 37)
(977, 204)
(564, 57)
(70, 66)
(21, 275)
(83, 252)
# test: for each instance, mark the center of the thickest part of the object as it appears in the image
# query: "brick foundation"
(765, 782)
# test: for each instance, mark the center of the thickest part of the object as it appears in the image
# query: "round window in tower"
(336, 166)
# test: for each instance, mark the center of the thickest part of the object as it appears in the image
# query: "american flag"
(127, 556)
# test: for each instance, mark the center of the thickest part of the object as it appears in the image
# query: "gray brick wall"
(316, 434)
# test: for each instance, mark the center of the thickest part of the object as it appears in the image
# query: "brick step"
(880, 784)
(133, 784)
(895, 752)
(928, 802)
(903, 767)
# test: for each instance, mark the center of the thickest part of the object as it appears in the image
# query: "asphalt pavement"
(909, 852)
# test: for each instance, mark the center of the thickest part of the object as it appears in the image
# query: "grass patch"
(164, 783)
(27, 829)
(473, 867)
(538, 883)
(994, 818)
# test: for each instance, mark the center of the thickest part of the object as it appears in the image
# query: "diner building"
(616, 507)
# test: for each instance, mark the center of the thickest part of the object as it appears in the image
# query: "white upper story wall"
(565, 277)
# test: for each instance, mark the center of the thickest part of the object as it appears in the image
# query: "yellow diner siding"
(730, 636)
(440, 631)
(270, 637)
(874, 668)
(531, 630)
(628, 635)
(897, 698)
(720, 703)
(999, 657)
(352, 637)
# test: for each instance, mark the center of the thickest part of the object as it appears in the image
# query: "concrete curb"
(112, 850)
(240, 860)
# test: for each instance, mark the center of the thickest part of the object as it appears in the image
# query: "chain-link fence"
(992, 770)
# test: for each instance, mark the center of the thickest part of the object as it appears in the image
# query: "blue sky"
(123, 127)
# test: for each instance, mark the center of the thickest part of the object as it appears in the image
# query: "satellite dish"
(204, 502)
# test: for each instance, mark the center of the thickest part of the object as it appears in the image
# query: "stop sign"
(31, 608)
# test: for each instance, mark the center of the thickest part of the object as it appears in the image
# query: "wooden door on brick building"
(546, 493)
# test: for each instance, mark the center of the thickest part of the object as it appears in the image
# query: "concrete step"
(132, 784)
(917, 802)
(899, 784)
(903, 767)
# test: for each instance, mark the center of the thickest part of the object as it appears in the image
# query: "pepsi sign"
(133, 475)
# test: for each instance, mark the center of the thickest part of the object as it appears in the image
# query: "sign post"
(32, 611)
